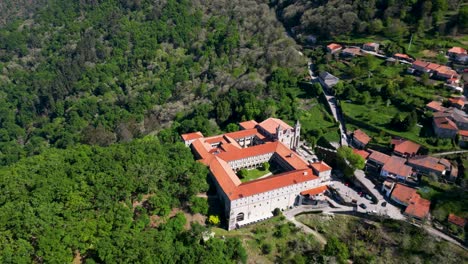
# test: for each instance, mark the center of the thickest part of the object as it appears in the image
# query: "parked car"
(363, 206)
(368, 197)
(384, 204)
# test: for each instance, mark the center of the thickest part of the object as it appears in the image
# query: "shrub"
(214, 220)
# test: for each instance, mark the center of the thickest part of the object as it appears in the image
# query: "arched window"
(240, 217)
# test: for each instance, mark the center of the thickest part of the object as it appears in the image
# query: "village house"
(371, 46)
(444, 127)
(351, 52)
(459, 117)
(458, 102)
(404, 148)
(360, 139)
(461, 58)
(377, 158)
(456, 220)
(428, 164)
(327, 80)
(395, 168)
(416, 207)
(271, 141)
(404, 57)
(362, 152)
(455, 51)
(334, 48)
(435, 106)
(434, 69)
(463, 138)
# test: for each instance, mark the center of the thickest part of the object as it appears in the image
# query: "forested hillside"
(84, 202)
(99, 72)
(390, 18)
(11, 10)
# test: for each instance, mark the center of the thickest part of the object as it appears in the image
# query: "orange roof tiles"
(361, 136)
(432, 66)
(379, 157)
(463, 133)
(315, 191)
(271, 124)
(435, 106)
(456, 220)
(363, 153)
(460, 101)
(403, 193)
(242, 133)
(334, 46)
(191, 136)
(418, 207)
(458, 50)
(217, 159)
(405, 146)
(321, 166)
(445, 123)
(420, 63)
(429, 162)
(402, 56)
(273, 182)
(396, 165)
(248, 124)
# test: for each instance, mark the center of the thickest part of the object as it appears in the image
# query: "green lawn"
(316, 122)
(254, 174)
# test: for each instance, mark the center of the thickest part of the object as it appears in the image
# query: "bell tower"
(297, 135)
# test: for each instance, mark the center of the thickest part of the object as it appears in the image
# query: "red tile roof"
(334, 46)
(420, 63)
(315, 191)
(460, 101)
(463, 133)
(191, 136)
(402, 56)
(433, 66)
(456, 220)
(352, 50)
(361, 136)
(242, 133)
(405, 146)
(458, 50)
(435, 106)
(321, 166)
(248, 124)
(403, 193)
(418, 207)
(445, 123)
(271, 124)
(379, 157)
(272, 182)
(363, 153)
(429, 162)
(396, 166)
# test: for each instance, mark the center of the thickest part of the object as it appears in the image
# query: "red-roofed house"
(429, 164)
(421, 66)
(363, 153)
(405, 57)
(395, 168)
(435, 106)
(456, 220)
(371, 46)
(458, 102)
(416, 206)
(252, 201)
(333, 47)
(453, 52)
(405, 148)
(351, 52)
(190, 137)
(248, 124)
(463, 140)
(444, 127)
(360, 139)
(378, 158)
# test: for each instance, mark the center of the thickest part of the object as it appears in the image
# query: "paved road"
(449, 153)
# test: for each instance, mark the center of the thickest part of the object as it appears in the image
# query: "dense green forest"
(99, 72)
(84, 201)
(390, 18)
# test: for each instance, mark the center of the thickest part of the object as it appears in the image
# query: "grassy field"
(254, 174)
(384, 241)
(273, 241)
(316, 121)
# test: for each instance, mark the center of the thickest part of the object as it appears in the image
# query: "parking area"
(364, 202)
